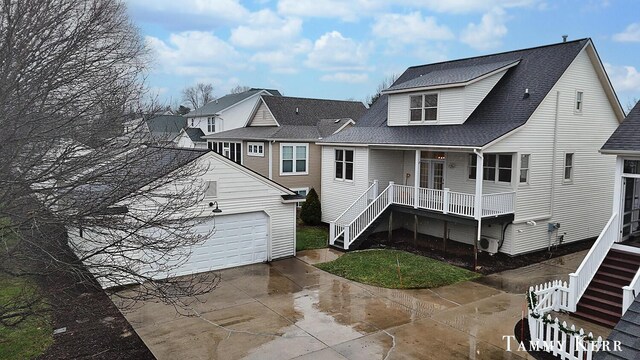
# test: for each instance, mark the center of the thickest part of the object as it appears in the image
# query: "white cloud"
(266, 29)
(410, 28)
(624, 78)
(194, 53)
(228, 10)
(334, 52)
(283, 61)
(468, 6)
(488, 33)
(346, 10)
(630, 34)
(351, 78)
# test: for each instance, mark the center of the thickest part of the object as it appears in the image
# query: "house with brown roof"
(278, 140)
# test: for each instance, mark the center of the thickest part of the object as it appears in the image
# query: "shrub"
(311, 212)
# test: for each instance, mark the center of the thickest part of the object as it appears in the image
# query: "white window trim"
(211, 121)
(307, 189)
(575, 103)
(253, 153)
(215, 149)
(423, 121)
(520, 169)
(344, 169)
(496, 168)
(306, 172)
(573, 167)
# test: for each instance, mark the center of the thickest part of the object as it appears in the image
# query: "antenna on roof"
(564, 38)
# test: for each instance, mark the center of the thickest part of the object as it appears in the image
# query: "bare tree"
(70, 76)
(198, 95)
(384, 84)
(631, 104)
(239, 89)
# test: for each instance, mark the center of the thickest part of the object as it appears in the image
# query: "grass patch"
(311, 237)
(380, 268)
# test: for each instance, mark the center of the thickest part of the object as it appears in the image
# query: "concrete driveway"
(290, 309)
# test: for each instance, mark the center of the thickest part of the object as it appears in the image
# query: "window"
(495, 166)
(301, 191)
(568, 167)
(211, 124)
(524, 168)
(579, 101)
(293, 159)
(423, 107)
(255, 149)
(230, 150)
(212, 189)
(344, 164)
(631, 167)
(191, 122)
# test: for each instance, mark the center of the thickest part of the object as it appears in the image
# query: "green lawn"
(380, 268)
(311, 237)
(31, 337)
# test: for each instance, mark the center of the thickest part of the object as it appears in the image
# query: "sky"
(337, 49)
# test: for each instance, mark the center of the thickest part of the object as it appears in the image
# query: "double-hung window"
(344, 164)
(495, 166)
(255, 149)
(525, 160)
(568, 167)
(579, 101)
(211, 124)
(293, 159)
(423, 108)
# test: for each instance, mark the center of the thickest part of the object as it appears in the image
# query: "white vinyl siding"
(583, 208)
(338, 195)
(454, 104)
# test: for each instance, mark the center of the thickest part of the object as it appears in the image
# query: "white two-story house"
(499, 151)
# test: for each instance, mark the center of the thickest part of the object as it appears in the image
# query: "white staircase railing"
(336, 227)
(630, 292)
(579, 280)
(368, 216)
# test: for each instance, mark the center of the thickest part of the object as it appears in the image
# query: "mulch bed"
(461, 254)
(95, 328)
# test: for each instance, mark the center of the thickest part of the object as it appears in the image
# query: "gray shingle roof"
(165, 127)
(503, 109)
(456, 75)
(627, 331)
(627, 135)
(299, 119)
(195, 134)
(217, 105)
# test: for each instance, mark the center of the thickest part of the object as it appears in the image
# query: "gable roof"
(627, 331)
(195, 134)
(165, 127)
(299, 119)
(626, 138)
(504, 109)
(215, 106)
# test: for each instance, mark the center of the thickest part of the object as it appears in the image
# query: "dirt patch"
(460, 254)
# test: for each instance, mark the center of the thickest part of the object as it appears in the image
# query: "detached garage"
(254, 221)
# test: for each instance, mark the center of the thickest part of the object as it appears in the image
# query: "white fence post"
(332, 233)
(573, 291)
(445, 200)
(390, 192)
(346, 237)
(375, 189)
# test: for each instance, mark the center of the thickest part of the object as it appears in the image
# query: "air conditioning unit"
(489, 244)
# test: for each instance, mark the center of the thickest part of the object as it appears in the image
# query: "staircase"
(601, 302)
(339, 242)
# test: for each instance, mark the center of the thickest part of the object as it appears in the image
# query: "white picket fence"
(547, 334)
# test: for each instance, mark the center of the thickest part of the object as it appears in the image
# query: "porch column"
(416, 179)
(478, 204)
(618, 193)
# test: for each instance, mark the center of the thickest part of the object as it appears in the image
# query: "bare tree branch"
(198, 95)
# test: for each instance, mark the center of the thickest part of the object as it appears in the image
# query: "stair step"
(605, 285)
(590, 316)
(613, 278)
(627, 256)
(627, 264)
(618, 270)
(604, 294)
(602, 303)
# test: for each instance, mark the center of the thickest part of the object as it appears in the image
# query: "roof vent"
(564, 38)
(526, 93)
(336, 121)
(297, 111)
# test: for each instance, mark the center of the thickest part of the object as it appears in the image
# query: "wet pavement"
(289, 309)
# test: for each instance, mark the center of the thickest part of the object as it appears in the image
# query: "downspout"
(554, 157)
(478, 203)
(271, 160)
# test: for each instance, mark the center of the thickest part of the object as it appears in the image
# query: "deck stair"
(339, 242)
(601, 302)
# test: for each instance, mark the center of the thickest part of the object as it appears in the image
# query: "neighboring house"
(257, 222)
(156, 129)
(499, 151)
(228, 112)
(278, 140)
(191, 138)
(606, 286)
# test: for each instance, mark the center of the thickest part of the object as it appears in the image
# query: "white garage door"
(239, 239)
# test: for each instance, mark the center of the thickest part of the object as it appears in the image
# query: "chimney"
(564, 38)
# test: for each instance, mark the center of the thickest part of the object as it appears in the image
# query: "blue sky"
(343, 49)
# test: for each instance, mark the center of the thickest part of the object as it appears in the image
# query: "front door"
(631, 206)
(432, 174)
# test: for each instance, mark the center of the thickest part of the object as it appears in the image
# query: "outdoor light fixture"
(216, 210)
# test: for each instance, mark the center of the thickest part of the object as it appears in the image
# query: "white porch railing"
(498, 204)
(459, 203)
(630, 292)
(336, 227)
(579, 280)
(368, 215)
(548, 334)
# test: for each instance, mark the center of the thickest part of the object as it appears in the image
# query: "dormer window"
(423, 108)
